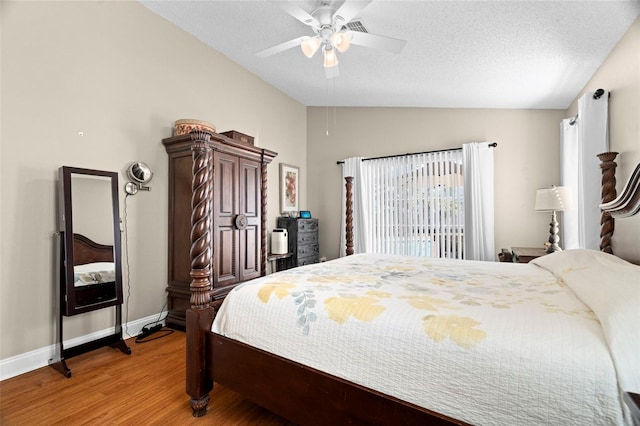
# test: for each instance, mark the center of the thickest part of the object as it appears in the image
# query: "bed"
(476, 357)
(93, 271)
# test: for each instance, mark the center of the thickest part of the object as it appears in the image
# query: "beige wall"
(620, 74)
(527, 158)
(121, 75)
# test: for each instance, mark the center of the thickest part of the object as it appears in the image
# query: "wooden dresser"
(238, 171)
(303, 242)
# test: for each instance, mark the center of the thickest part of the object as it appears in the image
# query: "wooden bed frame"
(86, 251)
(294, 391)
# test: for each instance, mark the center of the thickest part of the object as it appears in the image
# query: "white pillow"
(610, 286)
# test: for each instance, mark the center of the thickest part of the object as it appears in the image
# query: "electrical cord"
(149, 328)
(144, 339)
(126, 257)
(159, 320)
(155, 326)
(156, 322)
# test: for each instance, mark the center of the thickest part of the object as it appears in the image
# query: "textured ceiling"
(459, 54)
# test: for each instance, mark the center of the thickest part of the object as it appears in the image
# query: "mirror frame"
(68, 302)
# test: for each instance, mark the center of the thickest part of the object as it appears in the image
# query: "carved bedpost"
(608, 193)
(263, 216)
(201, 222)
(349, 221)
(200, 316)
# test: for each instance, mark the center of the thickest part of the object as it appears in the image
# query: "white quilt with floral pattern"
(484, 342)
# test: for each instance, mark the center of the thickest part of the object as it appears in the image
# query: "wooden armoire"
(238, 171)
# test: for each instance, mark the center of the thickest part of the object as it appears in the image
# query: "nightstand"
(273, 259)
(527, 254)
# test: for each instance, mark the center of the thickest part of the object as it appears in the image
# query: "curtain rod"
(491, 145)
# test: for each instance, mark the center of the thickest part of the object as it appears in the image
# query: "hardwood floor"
(109, 387)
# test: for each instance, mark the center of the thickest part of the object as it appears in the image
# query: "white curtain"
(569, 177)
(353, 167)
(580, 169)
(411, 205)
(478, 201)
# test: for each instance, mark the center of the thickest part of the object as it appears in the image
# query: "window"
(414, 205)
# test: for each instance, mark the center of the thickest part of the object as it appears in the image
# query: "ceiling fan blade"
(389, 44)
(331, 72)
(349, 10)
(280, 47)
(298, 13)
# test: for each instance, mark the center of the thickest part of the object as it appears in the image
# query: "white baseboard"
(23, 363)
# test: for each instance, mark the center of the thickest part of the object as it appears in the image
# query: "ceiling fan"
(335, 30)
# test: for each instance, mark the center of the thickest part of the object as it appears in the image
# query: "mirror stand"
(89, 256)
(114, 340)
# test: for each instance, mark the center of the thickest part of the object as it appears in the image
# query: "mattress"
(483, 342)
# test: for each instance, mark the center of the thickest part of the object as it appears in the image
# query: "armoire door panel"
(249, 188)
(226, 177)
(250, 252)
(249, 184)
(226, 256)
(250, 246)
(249, 181)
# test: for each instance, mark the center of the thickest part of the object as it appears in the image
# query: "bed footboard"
(307, 396)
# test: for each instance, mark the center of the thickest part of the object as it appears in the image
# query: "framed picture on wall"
(289, 188)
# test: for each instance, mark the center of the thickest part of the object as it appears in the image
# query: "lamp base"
(554, 238)
(552, 248)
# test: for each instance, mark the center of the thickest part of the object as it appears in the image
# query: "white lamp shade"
(330, 58)
(556, 198)
(309, 46)
(341, 41)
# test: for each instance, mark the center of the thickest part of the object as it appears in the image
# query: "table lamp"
(554, 199)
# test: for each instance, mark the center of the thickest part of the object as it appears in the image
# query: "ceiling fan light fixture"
(330, 58)
(335, 28)
(309, 46)
(341, 41)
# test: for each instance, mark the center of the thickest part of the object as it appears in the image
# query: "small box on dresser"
(302, 242)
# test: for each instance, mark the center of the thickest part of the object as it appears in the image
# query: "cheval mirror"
(89, 254)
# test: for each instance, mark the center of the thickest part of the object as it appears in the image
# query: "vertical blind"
(415, 204)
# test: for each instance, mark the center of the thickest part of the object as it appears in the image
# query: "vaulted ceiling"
(459, 54)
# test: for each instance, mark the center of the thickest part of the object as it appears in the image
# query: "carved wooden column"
(263, 216)
(200, 315)
(349, 221)
(608, 193)
(201, 221)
